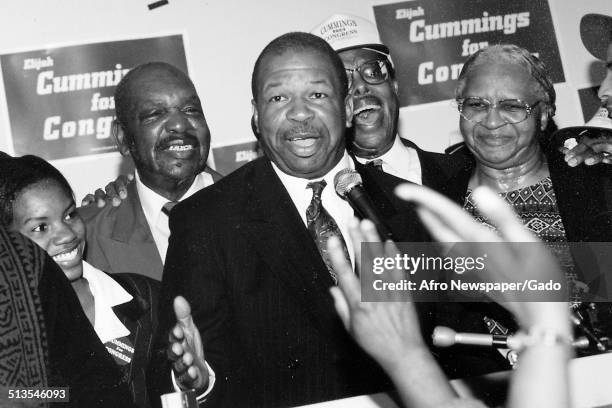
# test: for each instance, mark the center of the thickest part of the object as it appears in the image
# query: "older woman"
(506, 102)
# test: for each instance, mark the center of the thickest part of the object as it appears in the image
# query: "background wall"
(222, 41)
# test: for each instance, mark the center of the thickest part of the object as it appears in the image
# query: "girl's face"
(47, 215)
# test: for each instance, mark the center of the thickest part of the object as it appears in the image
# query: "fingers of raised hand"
(347, 281)
(445, 219)
(341, 305)
(501, 215)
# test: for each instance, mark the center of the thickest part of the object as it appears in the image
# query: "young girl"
(37, 201)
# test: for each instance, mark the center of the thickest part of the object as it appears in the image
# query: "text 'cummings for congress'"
(412, 264)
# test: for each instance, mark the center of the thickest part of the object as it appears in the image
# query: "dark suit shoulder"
(449, 163)
(224, 197)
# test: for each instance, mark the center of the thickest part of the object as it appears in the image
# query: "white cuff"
(211, 383)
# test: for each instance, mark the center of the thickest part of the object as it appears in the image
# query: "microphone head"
(443, 336)
(345, 180)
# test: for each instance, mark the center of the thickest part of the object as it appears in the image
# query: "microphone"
(445, 337)
(349, 186)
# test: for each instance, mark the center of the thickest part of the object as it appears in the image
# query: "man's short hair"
(19, 173)
(122, 91)
(299, 41)
(512, 54)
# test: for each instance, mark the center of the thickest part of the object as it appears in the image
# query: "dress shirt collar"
(152, 202)
(397, 154)
(401, 161)
(393, 154)
(296, 186)
(107, 293)
(336, 206)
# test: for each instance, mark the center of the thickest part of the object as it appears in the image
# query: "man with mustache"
(160, 124)
(373, 138)
(249, 253)
(372, 86)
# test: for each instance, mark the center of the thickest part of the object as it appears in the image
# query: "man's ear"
(348, 106)
(121, 138)
(395, 86)
(255, 119)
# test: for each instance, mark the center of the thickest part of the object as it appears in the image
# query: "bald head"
(124, 93)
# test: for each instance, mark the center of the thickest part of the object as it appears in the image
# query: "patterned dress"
(536, 206)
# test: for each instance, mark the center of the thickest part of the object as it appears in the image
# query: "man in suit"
(373, 88)
(251, 268)
(160, 124)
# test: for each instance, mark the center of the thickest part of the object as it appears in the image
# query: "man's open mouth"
(180, 148)
(367, 111)
(178, 145)
(304, 141)
(364, 111)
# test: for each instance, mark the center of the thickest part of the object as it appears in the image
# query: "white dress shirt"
(400, 161)
(338, 208)
(152, 204)
(106, 293)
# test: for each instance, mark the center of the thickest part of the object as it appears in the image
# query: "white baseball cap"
(344, 32)
(600, 124)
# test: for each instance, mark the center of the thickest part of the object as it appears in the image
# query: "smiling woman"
(37, 201)
(506, 102)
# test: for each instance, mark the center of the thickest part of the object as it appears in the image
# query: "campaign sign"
(229, 158)
(431, 39)
(60, 100)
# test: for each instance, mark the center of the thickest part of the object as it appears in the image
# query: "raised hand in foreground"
(388, 330)
(186, 351)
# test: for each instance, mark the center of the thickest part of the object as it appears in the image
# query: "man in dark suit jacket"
(250, 269)
(161, 126)
(139, 316)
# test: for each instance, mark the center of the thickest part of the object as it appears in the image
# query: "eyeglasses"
(373, 72)
(512, 111)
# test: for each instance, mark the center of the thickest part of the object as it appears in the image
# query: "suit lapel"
(129, 314)
(399, 216)
(437, 171)
(280, 237)
(132, 231)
